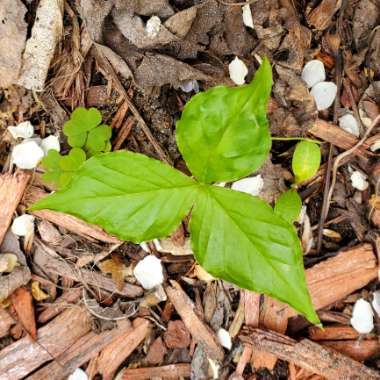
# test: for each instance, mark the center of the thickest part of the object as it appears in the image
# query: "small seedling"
(223, 136)
(306, 160)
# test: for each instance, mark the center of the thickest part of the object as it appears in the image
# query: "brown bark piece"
(338, 332)
(22, 357)
(9, 283)
(12, 187)
(309, 355)
(69, 296)
(321, 16)
(22, 301)
(337, 136)
(156, 352)
(171, 371)
(359, 350)
(6, 321)
(177, 335)
(69, 222)
(52, 263)
(200, 332)
(114, 354)
(82, 351)
(251, 308)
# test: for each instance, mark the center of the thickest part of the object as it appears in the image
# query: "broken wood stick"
(12, 187)
(114, 354)
(313, 357)
(69, 222)
(338, 332)
(51, 263)
(79, 353)
(359, 350)
(337, 136)
(171, 371)
(24, 356)
(200, 332)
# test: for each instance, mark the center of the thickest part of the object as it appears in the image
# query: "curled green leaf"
(306, 160)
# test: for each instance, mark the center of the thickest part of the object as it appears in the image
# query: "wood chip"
(118, 351)
(24, 356)
(69, 222)
(309, 355)
(338, 332)
(200, 332)
(22, 301)
(171, 371)
(156, 352)
(51, 263)
(177, 335)
(9, 283)
(12, 187)
(6, 321)
(79, 353)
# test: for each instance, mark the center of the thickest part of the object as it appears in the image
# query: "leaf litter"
(162, 53)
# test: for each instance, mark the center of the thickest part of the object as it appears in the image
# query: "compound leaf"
(98, 140)
(306, 160)
(130, 195)
(238, 237)
(288, 206)
(223, 132)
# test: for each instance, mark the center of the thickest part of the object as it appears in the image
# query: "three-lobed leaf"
(223, 132)
(288, 206)
(238, 237)
(131, 195)
(84, 130)
(306, 160)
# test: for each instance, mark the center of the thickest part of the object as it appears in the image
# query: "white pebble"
(251, 185)
(27, 155)
(153, 26)
(313, 72)
(23, 225)
(376, 302)
(247, 16)
(224, 338)
(349, 124)
(238, 71)
(50, 143)
(324, 94)
(359, 180)
(23, 130)
(148, 272)
(78, 374)
(189, 85)
(362, 317)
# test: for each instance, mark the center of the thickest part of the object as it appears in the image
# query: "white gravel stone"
(23, 225)
(251, 185)
(224, 338)
(362, 317)
(359, 180)
(247, 16)
(324, 94)
(313, 73)
(50, 143)
(349, 124)
(23, 130)
(148, 272)
(238, 71)
(27, 155)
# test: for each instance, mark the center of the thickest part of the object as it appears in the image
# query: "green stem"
(296, 139)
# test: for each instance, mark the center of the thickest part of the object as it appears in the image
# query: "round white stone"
(313, 72)
(349, 124)
(148, 272)
(362, 317)
(27, 155)
(50, 143)
(224, 338)
(324, 94)
(23, 130)
(251, 185)
(23, 225)
(238, 71)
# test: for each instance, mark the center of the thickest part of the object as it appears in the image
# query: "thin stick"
(345, 154)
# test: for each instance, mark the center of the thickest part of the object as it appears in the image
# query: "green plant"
(223, 135)
(306, 160)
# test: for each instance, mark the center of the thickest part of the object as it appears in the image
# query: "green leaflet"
(83, 131)
(223, 132)
(288, 206)
(240, 239)
(59, 170)
(306, 160)
(130, 195)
